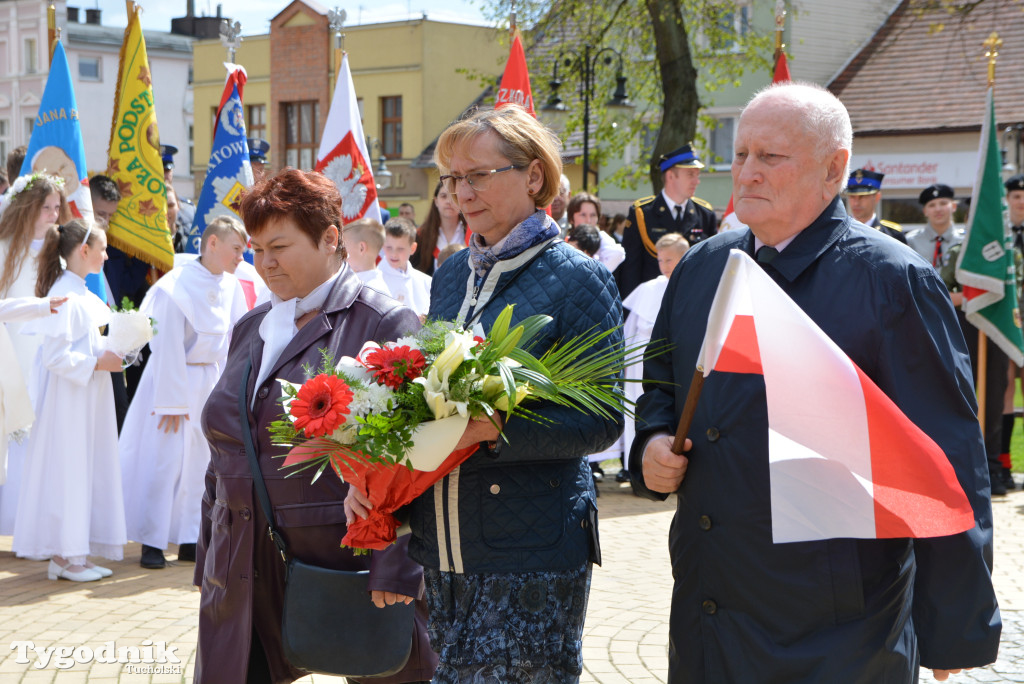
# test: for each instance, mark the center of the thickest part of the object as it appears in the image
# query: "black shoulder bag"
(329, 623)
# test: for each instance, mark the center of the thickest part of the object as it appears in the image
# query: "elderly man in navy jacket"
(841, 610)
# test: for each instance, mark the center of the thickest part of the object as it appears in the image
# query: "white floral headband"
(25, 182)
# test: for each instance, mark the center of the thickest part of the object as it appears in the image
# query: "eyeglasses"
(478, 180)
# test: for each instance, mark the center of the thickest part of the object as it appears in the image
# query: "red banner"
(781, 69)
(515, 82)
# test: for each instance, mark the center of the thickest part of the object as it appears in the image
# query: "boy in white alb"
(643, 303)
(363, 240)
(164, 454)
(407, 284)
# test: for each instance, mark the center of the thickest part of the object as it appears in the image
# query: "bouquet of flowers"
(387, 421)
(129, 331)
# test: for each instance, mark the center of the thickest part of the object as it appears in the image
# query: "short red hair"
(309, 198)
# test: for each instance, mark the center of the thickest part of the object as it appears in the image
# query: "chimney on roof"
(218, 10)
(190, 8)
(92, 16)
(72, 15)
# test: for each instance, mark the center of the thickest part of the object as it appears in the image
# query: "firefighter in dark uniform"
(258, 148)
(186, 209)
(674, 210)
(863, 193)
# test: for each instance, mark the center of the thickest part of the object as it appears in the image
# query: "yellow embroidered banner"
(139, 228)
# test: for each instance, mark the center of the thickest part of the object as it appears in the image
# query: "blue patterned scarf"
(537, 228)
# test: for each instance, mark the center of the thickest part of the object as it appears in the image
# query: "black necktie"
(937, 256)
(766, 255)
(679, 213)
(1018, 237)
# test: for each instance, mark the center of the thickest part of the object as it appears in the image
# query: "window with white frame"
(5, 139)
(89, 68)
(31, 56)
(30, 123)
(733, 19)
(720, 140)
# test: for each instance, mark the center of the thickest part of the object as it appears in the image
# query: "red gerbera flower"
(321, 404)
(392, 367)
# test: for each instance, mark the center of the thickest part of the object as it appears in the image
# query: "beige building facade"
(411, 78)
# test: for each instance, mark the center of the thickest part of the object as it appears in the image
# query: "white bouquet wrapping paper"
(129, 332)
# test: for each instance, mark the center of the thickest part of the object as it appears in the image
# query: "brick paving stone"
(38, 677)
(625, 635)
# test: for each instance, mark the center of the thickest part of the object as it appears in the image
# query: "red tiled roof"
(910, 78)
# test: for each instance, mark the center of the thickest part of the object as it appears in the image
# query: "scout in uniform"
(863, 193)
(939, 242)
(674, 210)
(1015, 201)
(935, 242)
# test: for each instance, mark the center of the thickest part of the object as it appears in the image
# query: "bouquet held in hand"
(130, 330)
(387, 422)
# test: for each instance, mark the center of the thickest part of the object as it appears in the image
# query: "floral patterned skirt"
(515, 628)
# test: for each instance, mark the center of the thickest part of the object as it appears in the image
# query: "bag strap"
(480, 312)
(254, 465)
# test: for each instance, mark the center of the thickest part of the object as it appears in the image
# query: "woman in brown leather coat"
(317, 303)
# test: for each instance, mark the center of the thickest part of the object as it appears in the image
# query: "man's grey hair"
(824, 117)
(563, 185)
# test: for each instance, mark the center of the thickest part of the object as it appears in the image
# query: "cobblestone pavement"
(624, 642)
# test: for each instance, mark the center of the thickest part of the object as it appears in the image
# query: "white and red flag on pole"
(343, 156)
(515, 82)
(844, 461)
(780, 75)
(729, 220)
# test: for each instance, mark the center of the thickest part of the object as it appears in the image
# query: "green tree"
(675, 52)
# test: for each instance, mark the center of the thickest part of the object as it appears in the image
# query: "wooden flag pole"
(992, 45)
(982, 382)
(689, 409)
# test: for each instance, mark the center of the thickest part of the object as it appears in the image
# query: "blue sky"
(255, 15)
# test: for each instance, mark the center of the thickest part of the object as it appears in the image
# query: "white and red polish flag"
(343, 156)
(729, 220)
(780, 75)
(844, 461)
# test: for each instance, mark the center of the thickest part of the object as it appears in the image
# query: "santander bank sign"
(916, 170)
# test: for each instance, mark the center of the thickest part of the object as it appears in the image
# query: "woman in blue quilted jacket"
(508, 539)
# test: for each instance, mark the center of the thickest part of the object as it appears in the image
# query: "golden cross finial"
(992, 45)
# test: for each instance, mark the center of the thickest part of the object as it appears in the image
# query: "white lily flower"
(436, 393)
(458, 346)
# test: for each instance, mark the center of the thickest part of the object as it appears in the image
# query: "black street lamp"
(585, 66)
(381, 175)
